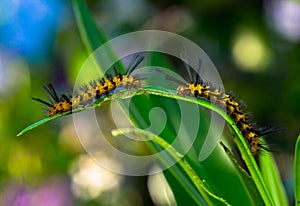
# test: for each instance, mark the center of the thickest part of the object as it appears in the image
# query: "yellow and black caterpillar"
(234, 109)
(89, 93)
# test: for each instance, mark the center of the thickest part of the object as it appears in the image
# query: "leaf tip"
(20, 133)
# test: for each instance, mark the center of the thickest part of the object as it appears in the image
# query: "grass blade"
(297, 172)
(271, 176)
(256, 198)
(91, 35)
(206, 194)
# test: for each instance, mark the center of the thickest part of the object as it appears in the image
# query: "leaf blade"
(297, 172)
(206, 194)
(271, 176)
(91, 35)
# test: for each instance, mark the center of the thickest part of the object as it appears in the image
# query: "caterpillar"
(93, 91)
(197, 88)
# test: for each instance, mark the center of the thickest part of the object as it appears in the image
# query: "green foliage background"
(271, 92)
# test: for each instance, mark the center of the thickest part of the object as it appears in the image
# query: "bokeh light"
(284, 17)
(160, 190)
(250, 52)
(89, 180)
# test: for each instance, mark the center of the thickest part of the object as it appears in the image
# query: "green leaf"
(91, 35)
(47, 119)
(297, 172)
(240, 141)
(272, 178)
(206, 194)
(256, 198)
(39, 123)
(182, 188)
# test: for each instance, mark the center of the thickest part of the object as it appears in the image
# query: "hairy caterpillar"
(95, 90)
(197, 88)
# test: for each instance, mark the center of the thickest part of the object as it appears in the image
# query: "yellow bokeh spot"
(250, 52)
(22, 163)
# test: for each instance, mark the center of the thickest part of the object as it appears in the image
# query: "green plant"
(195, 182)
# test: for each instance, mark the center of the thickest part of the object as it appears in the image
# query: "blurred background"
(254, 45)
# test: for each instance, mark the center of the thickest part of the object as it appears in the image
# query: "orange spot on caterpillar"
(91, 92)
(59, 108)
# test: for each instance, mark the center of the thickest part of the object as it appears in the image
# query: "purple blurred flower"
(284, 16)
(53, 192)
